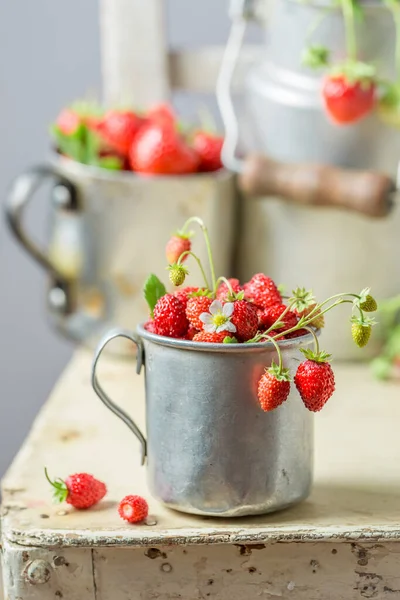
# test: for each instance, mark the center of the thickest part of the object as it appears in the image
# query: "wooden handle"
(366, 192)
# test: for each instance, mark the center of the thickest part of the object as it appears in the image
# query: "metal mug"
(210, 448)
(305, 158)
(108, 231)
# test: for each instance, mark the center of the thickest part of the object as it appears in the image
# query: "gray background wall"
(49, 55)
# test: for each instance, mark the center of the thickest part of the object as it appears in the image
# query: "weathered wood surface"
(351, 523)
(355, 497)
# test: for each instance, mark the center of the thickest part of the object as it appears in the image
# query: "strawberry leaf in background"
(112, 163)
(153, 290)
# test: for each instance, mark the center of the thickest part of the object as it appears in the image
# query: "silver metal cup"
(210, 448)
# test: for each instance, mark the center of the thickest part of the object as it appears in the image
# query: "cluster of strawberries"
(151, 142)
(230, 313)
(83, 491)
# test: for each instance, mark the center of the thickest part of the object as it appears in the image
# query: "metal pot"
(303, 157)
(108, 231)
(210, 448)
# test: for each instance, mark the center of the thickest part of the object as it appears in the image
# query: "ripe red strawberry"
(191, 332)
(169, 317)
(150, 326)
(159, 149)
(162, 113)
(245, 319)
(80, 490)
(195, 307)
(183, 294)
(177, 245)
(212, 338)
(118, 129)
(262, 291)
(223, 291)
(68, 121)
(315, 380)
(348, 102)
(272, 334)
(269, 316)
(273, 388)
(208, 146)
(296, 334)
(133, 509)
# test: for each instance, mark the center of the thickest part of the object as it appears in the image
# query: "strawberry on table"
(133, 509)
(80, 490)
(159, 149)
(315, 380)
(208, 146)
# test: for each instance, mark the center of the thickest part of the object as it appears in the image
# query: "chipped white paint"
(354, 508)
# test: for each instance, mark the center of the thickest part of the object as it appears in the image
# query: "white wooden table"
(342, 543)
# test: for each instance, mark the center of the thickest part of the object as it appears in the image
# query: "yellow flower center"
(219, 320)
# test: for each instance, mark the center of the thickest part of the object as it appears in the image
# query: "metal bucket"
(323, 248)
(108, 231)
(210, 448)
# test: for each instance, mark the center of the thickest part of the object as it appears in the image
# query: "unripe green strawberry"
(361, 331)
(177, 274)
(369, 304)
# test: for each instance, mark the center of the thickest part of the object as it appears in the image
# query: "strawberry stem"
(316, 342)
(350, 31)
(190, 253)
(227, 283)
(60, 491)
(204, 229)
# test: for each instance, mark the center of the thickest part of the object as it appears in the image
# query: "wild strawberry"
(177, 245)
(162, 113)
(273, 314)
(210, 337)
(184, 293)
(159, 149)
(177, 274)
(68, 121)
(262, 291)
(296, 334)
(150, 326)
(273, 388)
(191, 332)
(208, 146)
(195, 307)
(118, 128)
(315, 380)
(223, 290)
(361, 329)
(318, 320)
(80, 490)
(169, 317)
(245, 319)
(367, 302)
(271, 334)
(133, 509)
(348, 101)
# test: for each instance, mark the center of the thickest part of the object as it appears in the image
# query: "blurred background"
(50, 55)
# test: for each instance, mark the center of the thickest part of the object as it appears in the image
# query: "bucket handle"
(66, 197)
(370, 193)
(111, 335)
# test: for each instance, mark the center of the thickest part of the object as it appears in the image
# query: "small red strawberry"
(273, 388)
(80, 490)
(184, 293)
(162, 113)
(133, 509)
(262, 291)
(169, 317)
(211, 337)
(68, 121)
(177, 245)
(245, 319)
(195, 307)
(118, 129)
(191, 332)
(269, 316)
(273, 334)
(348, 101)
(295, 334)
(208, 146)
(223, 291)
(159, 149)
(150, 326)
(315, 380)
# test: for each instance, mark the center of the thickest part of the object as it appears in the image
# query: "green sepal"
(201, 292)
(184, 235)
(363, 321)
(230, 340)
(153, 290)
(315, 57)
(279, 374)
(60, 490)
(355, 71)
(320, 357)
(302, 299)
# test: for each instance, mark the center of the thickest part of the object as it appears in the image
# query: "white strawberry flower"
(219, 318)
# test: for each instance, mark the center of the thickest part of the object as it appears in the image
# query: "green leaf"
(153, 290)
(113, 163)
(315, 57)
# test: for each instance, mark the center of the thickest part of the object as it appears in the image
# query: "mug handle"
(111, 335)
(65, 195)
